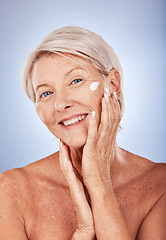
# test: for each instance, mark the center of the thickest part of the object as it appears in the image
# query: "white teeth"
(74, 120)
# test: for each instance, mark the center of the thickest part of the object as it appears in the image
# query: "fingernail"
(60, 144)
(106, 97)
(107, 91)
(115, 95)
(65, 161)
(93, 114)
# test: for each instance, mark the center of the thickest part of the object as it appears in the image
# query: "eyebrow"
(42, 85)
(73, 69)
(66, 74)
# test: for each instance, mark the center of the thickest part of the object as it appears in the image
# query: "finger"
(107, 116)
(117, 113)
(92, 132)
(104, 125)
(109, 120)
(81, 205)
(110, 136)
(63, 154)
(114, 119)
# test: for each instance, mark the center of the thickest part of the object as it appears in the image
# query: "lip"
(71, 117)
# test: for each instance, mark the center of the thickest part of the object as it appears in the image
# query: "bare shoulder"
(20, 193)
(11, 217)
(150, 180)
(147, 172)
(143, 186)
(157, 176)
(11, 185)
(46, 166)
(154, 174)
(9, 181)
(21, 181)
(159, 169)
(45, 170)
(152, 191)
(144, 179)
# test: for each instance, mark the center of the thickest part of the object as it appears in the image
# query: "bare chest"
(51, 214)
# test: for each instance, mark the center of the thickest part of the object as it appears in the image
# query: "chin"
(76, 143)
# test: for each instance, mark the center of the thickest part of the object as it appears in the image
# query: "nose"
(62, 103)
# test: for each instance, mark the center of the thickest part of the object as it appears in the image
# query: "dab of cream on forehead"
(94, 86)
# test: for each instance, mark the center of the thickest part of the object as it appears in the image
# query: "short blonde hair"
(77, 41)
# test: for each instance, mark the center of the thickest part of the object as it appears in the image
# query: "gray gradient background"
(137, 32)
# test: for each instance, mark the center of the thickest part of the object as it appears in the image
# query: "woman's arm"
(108, 220)
(11, 220)
(85, 225)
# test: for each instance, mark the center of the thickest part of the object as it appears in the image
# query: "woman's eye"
(76, 81)
(45, 94)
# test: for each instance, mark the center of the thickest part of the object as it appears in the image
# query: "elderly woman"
(91, 188)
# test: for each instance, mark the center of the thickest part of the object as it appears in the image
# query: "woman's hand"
(85, 225)
(99, 150)
(98, 154)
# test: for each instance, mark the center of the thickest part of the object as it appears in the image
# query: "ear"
(115, 81)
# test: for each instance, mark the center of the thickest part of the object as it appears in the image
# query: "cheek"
(96, 100)
(94, 86)
(97, 93)
(44, 113)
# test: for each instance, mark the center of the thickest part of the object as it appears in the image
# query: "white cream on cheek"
(94, 86)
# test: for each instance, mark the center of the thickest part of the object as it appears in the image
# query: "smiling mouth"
(73, 120)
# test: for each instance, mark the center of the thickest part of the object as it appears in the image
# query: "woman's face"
(67, 90)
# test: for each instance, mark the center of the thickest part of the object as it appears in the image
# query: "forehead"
(60, 65)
